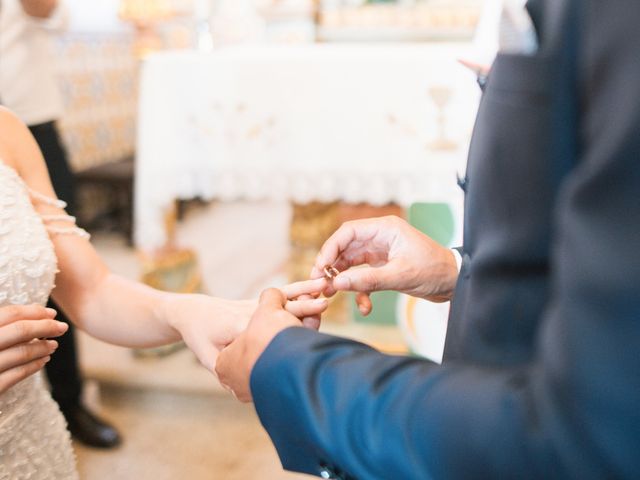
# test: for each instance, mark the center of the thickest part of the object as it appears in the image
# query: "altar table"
(311, 123)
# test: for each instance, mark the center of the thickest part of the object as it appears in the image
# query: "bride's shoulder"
(14, 138)
(7, 132)
(11, 129)
(8, 119)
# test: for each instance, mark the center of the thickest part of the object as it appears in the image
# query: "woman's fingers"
(13, 313)
(307, 308)
(23, 331)
(312, 322)
(306, 287)
(26, 353)
(22, 353)
(11, 377)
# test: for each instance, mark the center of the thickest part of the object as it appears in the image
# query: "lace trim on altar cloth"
(74, 230)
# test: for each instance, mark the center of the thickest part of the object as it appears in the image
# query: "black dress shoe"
(90, 430)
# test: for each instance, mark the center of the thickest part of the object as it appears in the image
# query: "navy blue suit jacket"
(542, 363)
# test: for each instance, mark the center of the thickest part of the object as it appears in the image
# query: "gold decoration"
(175, 271)
(311, 225)
(145, 15)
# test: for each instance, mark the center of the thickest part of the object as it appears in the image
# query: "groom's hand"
(237, 360)
(393, 256)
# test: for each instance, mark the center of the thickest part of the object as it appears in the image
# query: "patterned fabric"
(99, 82)
(34, 442)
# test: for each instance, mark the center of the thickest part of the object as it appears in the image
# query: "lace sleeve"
(71, 229)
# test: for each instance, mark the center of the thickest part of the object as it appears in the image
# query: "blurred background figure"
(29, 87)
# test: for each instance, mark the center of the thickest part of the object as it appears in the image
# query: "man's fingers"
(222, 363)
(350, 234)
(335, 244)
(272, 298)
(477, 68)
(307, 308)
(14, 313)
(316, 272)
(363, 300)
(229, 372)
(307, 287)
(24, 331)
(368, 279)
(15, 375)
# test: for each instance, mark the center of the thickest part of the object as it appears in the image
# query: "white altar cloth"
(299, 123)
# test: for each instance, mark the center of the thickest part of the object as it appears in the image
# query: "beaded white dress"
(34, 441)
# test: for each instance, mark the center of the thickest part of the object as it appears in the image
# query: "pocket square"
(517, 32)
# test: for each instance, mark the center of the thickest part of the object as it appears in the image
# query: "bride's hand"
(24, 348)
(301, 295)
(209, 324)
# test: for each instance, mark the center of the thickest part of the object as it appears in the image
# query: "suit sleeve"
(572, 412)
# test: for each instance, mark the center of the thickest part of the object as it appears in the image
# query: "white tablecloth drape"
(301, 123)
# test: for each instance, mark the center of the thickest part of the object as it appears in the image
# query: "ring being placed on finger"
(330, 272)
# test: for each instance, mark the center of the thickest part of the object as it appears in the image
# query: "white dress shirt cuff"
(458, 257)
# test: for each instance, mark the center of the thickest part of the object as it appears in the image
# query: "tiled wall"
(99, 82)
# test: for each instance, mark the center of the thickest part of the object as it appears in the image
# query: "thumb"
(272, 298)
(223, 364)
(367, 279)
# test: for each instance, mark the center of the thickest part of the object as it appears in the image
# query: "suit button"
(326, 473)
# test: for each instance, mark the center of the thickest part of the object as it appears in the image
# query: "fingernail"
(51, 312)
(63, 326)
(47, 359)
(52, 344)
(342, 282)
(320, 301)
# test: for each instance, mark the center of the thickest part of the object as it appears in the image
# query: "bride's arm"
(115, 309)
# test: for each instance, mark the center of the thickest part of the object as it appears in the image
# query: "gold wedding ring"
(330, 272)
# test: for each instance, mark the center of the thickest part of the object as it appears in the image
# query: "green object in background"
(384, 309)
(433, 219)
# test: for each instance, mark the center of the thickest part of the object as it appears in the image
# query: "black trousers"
(63, 370)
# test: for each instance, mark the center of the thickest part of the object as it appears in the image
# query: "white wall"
(102, 15)
(94, 15)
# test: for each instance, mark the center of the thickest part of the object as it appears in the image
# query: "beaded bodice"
(27, 259)
(34, 442)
